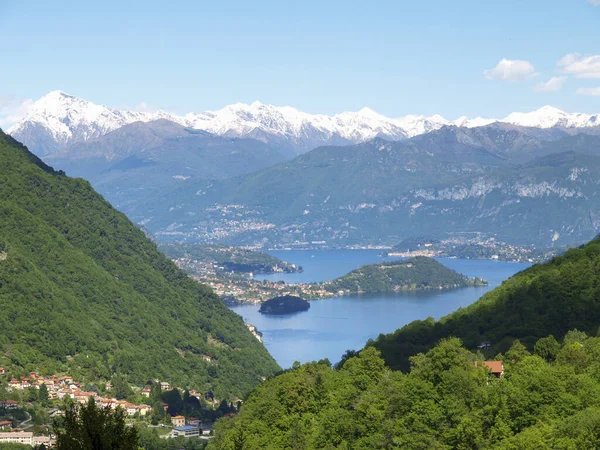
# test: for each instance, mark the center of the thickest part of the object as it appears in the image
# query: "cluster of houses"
(61, 387)
(187, 429)
(65, 387)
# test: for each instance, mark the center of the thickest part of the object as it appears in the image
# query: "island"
(413, 274)
(286, 304)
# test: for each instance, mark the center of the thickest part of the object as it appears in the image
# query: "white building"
(17, 437)
(187, 431)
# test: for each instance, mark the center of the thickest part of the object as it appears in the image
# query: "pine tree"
(92, 428)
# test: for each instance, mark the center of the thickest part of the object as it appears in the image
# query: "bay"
(332, 326)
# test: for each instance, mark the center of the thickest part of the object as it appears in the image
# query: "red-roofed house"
(496, 367)
(5, 424)
(9, 404)
(2, 371)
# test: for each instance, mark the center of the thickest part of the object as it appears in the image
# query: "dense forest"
(418, 273)
(550, 298)
(82, 290)
(546, 399)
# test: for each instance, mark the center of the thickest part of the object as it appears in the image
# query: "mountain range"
(491, 180)
(235, 175)
(144, 160)
(59, 120)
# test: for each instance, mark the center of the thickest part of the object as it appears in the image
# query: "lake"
(332, 326)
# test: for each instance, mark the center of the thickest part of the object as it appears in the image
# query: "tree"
(92, 428)
(547, 348)
(575, 336)
(43, 394)
(32, 394)
(121, 387)
(516, 352)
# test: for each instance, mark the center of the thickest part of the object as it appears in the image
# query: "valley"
(300, 225)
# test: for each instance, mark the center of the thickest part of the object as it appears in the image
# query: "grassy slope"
(81, 280)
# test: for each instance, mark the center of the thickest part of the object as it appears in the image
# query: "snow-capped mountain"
(58, 120)
(549, 117)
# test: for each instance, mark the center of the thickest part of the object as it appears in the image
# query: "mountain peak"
(550, 110)
(550, 116)
(59, 119)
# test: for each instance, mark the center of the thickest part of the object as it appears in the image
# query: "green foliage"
(547, 348)
(418, 273)
(83, 290)
(445, 401)
(550, 298)
(92, 428)
(149, 439)
(121, 387)
(12, 446)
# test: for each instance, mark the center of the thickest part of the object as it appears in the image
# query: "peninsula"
(413, 274)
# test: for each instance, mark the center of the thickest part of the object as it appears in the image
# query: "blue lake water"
(332, 326)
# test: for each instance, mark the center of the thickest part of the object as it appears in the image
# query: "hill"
(83, 290)
(140, 161)
(538, 392)
(550, 298)
(447, 182)
(450, 399)
(413, 274)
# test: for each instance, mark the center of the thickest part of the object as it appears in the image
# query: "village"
(55, 392)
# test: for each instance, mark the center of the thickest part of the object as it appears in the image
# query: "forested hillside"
(413, 274)
(83, 290)
(449, 400)
(549, 298)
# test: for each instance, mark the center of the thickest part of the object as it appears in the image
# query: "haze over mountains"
(527, 191)
(235, 176)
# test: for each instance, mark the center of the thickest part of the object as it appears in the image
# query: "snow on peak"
(549, 116)
(67, 119)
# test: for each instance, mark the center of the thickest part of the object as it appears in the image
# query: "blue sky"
(397, 57)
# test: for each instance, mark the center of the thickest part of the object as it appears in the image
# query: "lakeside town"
(235, 285)
(29, 405)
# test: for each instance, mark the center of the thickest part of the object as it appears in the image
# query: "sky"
(468, 57)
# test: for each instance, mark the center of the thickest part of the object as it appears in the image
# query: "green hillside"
(82, 289)
(544, 394)
(449, 400)
(414, 274)
(550, 298)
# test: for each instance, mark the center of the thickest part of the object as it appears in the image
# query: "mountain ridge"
(59, 119)
(82, 290)
(379, 192)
